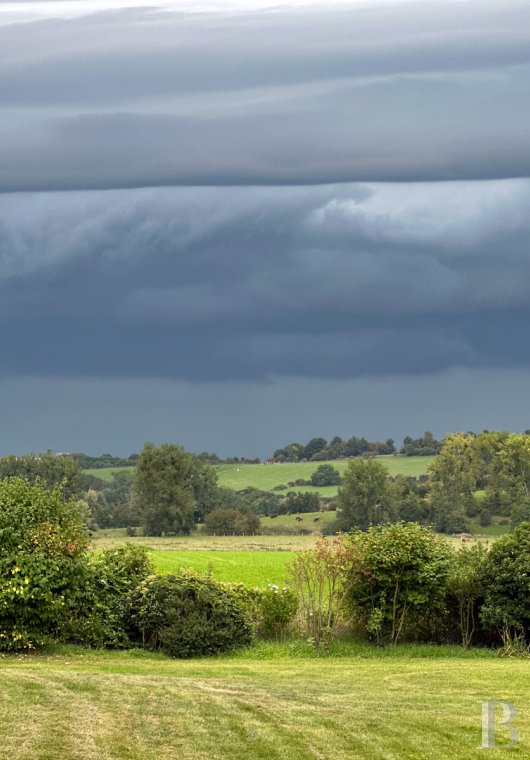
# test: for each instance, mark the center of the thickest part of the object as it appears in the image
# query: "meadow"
(266, 476)
(270, 702)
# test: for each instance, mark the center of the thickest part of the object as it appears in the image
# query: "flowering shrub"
(319, 577)
(42, 560)
(278, 609)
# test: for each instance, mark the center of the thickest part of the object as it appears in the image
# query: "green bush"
(271, 610)
(506, 579)
(42, 562)
(111, 575)
(187, 616)
(399, 575)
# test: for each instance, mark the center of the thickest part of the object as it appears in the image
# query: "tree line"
(319, 449)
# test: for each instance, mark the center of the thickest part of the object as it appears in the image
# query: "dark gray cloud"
(404, 92)
(247, 283)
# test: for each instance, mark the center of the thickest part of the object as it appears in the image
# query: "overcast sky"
(236, 224)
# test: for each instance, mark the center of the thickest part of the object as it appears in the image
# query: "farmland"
(270, 702)
(267, 477)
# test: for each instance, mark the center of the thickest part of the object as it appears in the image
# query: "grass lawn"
(273, 702)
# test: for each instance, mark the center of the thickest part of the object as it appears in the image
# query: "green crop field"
(267, 476)
(272, 702)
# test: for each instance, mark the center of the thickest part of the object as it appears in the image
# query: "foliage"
(425, 445)
(466, 585)
(365, 498)
(98, 618)
(319, 577)
(168, 487)
(318, 449)
(187, 616)
(278, 609)
(326, 475)
(272, 609)
(454, 475)
(231, 522)
(42, 561)
(400, 573)
(295, 503)
(506, 579)
(50, 469)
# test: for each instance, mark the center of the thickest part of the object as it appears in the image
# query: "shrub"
(187, 616)
(272, 610)
(319, 578)
(401, 574)
(99, 617)
(278, 609)
(465, 585)
(506, 579)
(42, 561)
(238, 522)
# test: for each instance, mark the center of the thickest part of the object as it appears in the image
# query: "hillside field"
(271, 702)
(267, 476)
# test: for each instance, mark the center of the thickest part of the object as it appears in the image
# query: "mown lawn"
(271, 703)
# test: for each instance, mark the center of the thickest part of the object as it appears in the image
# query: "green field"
(272, 702)
(267, 476)
(106, 473)
(253, 568)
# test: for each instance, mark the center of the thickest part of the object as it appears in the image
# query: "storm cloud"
(232, 283)
(239, 207)
(152, 97)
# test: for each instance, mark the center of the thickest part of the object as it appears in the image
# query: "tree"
(454, 478)
(506, 580)
(50, 469)
(163, 489)
(365, 498)
(42, 561)
(325, 475)
(312, 448)
(401, 576)
(513, 475)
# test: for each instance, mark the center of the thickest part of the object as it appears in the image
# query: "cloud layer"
(244, 283)
(143, 97)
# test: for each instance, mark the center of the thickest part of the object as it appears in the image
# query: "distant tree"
(163, 489)
(313, 448)
(454, 478)
(325, 475)
(426, 445)
(294, 503)
(51, 469)
(366, 496)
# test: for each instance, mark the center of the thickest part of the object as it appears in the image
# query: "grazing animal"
(317, 519)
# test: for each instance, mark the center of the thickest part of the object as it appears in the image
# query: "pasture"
(271, 702)
(266, 476)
